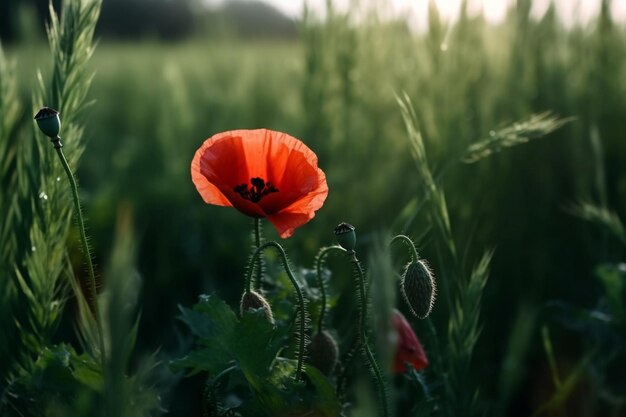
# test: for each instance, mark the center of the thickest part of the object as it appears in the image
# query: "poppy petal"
(408, 348)
(302, 210)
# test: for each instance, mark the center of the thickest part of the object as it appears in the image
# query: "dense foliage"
(413, 138)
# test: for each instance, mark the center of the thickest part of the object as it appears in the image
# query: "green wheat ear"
(35, 224)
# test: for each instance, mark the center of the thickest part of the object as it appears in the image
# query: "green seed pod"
(346, 236)
(323, 352)
(418, 288)
(49, 122)
(253, 301)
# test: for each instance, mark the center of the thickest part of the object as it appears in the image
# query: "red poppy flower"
(408, 347)
(261, 173)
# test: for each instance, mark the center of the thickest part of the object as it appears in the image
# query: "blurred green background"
(168, 77)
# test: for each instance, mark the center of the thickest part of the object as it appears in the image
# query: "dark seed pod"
(323, 352)
(48, 121)
(253, 301)
(418, 288)
(346, 236)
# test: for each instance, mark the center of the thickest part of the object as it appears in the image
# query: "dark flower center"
(257, 191)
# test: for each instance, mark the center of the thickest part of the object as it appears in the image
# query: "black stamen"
(257, 191)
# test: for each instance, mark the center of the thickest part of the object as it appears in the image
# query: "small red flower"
(408, 347)
(261, 173)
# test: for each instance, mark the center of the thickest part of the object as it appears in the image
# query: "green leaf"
(60, 369)
(87, 371)
(213, 359)
(281, 394)
(267, 396)
(613, 277)
(251, 344)
(211, 320)
(283, 372)
(214, 322)
(324, 398)
(52, 370)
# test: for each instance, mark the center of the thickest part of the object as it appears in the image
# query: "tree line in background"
(157, 19)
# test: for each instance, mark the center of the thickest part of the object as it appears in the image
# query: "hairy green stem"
(409, 242)
(345, 362)
(374, 368)
(296, 286)
(208, 390)
(258, 265)
(320, 282)
(92, 299)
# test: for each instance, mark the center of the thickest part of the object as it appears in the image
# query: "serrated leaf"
(251, 345)
(212, 359)
(211, 320)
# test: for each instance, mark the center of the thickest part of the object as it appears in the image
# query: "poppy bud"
(408, 347)
(48, 121)
(323, 352)
(253, 301)
(418, 288)
(346, 236)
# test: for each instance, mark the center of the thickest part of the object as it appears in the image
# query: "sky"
(570, 10)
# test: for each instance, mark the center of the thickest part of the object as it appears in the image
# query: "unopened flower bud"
(323, 352)
(418, 288)
(253, 301)
(346, 236)
(49, 122)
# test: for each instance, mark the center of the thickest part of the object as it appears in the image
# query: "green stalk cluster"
(301, 333)
(346, 237)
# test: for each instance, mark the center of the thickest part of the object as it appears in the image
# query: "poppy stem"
(208, 395)
(301, 332)
(257, 243)
(92, 298)
(409, 243)
(319, 262)
(374, 368)
(342, 378)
